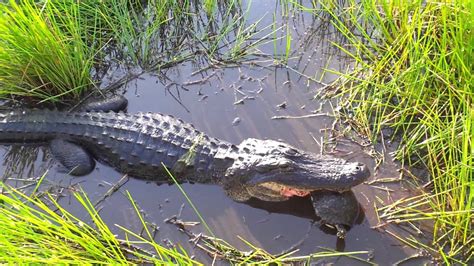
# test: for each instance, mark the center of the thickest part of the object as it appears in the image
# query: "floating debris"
(241, 100)
(298, 117)
(282, 105)
(200, 81)
(277, 237)
(236, 121)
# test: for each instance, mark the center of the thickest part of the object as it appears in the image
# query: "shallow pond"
(234, 103)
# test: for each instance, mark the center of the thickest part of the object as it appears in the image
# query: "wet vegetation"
(410, 83)
(37, 229)
(59, 50)
(43, 54)
(413, 65)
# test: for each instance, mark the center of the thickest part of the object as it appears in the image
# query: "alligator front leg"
(74, 158)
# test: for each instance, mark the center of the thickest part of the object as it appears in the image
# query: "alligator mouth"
(289, 184)
(290, 192)
(286, 191)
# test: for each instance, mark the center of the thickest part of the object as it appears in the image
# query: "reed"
(42, 52)
(413, 64)
(58, 50)
(37, 229)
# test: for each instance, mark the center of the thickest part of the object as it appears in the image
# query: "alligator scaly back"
(134, 143)
(141, 144)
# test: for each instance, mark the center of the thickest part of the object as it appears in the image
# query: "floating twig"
(299, 117)
(200, 81)
(113, 189)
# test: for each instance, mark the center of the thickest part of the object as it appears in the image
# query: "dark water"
(211, 107)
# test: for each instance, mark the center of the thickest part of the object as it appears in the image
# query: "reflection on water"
(20, 161)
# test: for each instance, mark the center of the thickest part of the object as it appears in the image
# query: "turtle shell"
(336, 208)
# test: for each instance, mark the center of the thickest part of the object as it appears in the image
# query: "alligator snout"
(355, 174)
(363, 172)
(274, 165)
(329, 173)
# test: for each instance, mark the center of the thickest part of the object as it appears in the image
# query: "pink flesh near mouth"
(290, 192)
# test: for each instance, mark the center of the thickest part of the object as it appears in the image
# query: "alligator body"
(143, 144)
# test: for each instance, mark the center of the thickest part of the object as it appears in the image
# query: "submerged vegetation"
(412, 73)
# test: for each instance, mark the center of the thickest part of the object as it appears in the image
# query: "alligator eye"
(284, 164)
(275, 151)
(292, 152)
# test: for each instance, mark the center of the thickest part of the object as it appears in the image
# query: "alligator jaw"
(286, 191)
(297, 186)
(275, 170)
(312, 173)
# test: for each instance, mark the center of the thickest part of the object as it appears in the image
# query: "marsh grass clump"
(42, 51)
(413, 73)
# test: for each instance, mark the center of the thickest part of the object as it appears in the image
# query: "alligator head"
(274, 171)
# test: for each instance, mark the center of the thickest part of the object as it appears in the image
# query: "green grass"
(58, 50)
(413, 73)
(42, 52)
(39, 230)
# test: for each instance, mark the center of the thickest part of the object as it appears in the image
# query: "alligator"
(152, 146)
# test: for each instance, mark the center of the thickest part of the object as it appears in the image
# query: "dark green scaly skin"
(140, 144)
